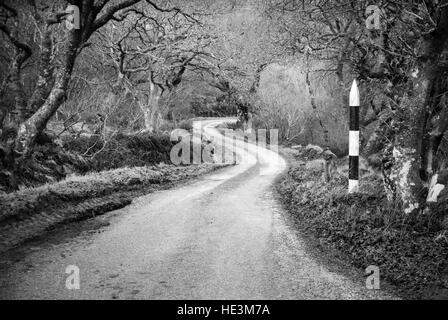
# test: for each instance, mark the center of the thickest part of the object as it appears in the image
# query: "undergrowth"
(412, 253)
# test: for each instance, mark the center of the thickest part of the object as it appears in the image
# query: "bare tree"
(151, 56)
(57, 55)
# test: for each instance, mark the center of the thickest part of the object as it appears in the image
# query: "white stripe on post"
(353, 139)
(353, 186)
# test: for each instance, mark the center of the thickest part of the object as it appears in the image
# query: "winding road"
(221, 236)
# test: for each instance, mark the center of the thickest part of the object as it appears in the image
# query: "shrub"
(186, 125)
(123, 150)
(234, 125)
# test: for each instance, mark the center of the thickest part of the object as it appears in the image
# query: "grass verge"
(30, 212)
(365, 229)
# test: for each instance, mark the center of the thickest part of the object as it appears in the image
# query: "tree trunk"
(17, 88)
(313, 97)
(151, 116)
(33, 126)
(45, 80)
(340, 76)
(150, 107)
(341, 84)
(412, 154)
(2, 115)
(148, 116)
(3, 107)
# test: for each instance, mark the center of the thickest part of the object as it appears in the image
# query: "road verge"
(364, 228)
(31, 212)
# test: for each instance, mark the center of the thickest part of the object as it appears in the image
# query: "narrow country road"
(223, 236)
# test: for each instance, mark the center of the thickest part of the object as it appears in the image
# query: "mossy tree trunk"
(420, 122)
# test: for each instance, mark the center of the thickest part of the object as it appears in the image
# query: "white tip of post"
(354, 95)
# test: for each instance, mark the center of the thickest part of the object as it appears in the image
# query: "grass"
(122, 150)
(367, 230)
(80, 187)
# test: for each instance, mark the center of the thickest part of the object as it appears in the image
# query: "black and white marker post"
(353, 176)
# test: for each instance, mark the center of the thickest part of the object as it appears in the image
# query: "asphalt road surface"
(222, 236)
